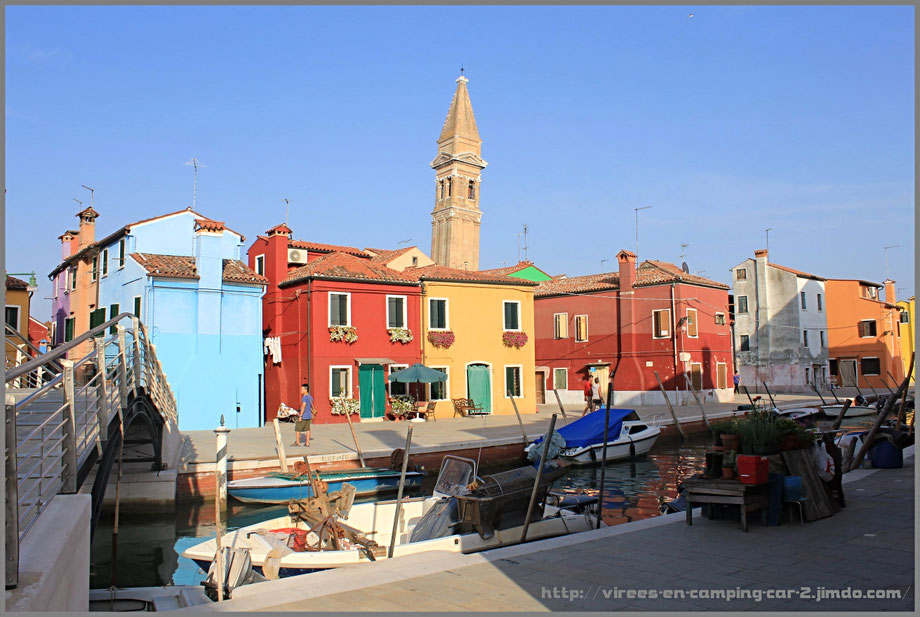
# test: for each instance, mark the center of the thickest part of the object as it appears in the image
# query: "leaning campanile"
(458, 168)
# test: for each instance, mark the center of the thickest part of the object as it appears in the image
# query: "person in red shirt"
(589, 400)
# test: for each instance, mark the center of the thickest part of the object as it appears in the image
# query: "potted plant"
(759, 433)
(402, 405)
(728, 465)
(727, 430)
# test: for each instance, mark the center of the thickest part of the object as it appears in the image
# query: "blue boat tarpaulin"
(589, 429)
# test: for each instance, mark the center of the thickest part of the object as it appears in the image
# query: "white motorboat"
(165, 598)
(797, 413)
(278, 547)
(854, 411)
(627, 437)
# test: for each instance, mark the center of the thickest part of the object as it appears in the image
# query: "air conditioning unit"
(297, 256)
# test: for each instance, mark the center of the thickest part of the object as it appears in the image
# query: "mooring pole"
(221, 488)
(600, 490)
(518, 414)
(680, 429)
(355, 438)
(536, 482)
(399, 495)
(818, 392)
(561, 408)
(219, 554)
(770, 394)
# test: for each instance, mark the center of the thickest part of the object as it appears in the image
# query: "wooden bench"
(749, 497)
(465, 407)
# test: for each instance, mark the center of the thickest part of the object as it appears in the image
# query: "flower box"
(514, 339)
(340, 405)
(441, 338)
(343, 333)
(400, 335)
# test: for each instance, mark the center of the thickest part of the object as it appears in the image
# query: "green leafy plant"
(343, 333)
(759, 432)
(725, 426)
(402, 404)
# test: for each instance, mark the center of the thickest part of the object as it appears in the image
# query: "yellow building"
(478, 328)
(17, 316)
(907, 333)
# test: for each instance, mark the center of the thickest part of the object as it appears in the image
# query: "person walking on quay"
(737, 380)
(589, 395)
(596, 393)
(306, 414)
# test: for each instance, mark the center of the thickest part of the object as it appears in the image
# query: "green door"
(478, 386)
(372, 392)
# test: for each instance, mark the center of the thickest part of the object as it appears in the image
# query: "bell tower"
(458, 173)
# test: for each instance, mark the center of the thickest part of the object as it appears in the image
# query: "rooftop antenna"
(893, 246)
(602, 263)
(637, 229)
(287, 210)
(683, 253)
(78, 201)
(196, 164)
(768, 230)
(404, 241)
(91, 193)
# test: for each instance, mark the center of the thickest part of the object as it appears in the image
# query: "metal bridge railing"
(17, 352)
(51, 432)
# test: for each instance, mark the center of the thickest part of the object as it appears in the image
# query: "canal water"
(149, 545)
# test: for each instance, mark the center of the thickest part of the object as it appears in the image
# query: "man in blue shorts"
(306, 414)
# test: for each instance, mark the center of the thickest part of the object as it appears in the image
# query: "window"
(121, 253)
(137, 306)
(905, 317)
(661, 323)
(472, 190)
(870, 366)
(12, 316)
(720, 319)
(692, 330)
(72, 273)
(449, 186)
(868, 292)
(805, 338)
(560, 379)
(113, 312)
(105, 262)
(561, 326)
(396, 311)
(512, 315)
(721, 375)
(95, 267)
(260, 264)
(802, 300)
(832, 366)
(867, 328)
(581, 328)
(414, 261)
(441, 185)
(340, 381)
(741, 305)
(696, 376)
(339, 309)
(745, 343)
(741, 274)
(68, 328)
(807, 375)
(97, 318)
(821, 338)
(397, 388)
(437, 314)
(437, 390)
(513, 381)
(820, 306)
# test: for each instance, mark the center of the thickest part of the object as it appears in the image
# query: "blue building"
(181, 274)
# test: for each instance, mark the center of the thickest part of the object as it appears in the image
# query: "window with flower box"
(396, 311)
(340, 309)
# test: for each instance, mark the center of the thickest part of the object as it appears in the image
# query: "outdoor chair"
(428, 411)
(465, 407)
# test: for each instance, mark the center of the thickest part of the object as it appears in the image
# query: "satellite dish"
(685, 267)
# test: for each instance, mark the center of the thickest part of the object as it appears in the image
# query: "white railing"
(53, 429)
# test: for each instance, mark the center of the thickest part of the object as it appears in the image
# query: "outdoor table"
(748, 496)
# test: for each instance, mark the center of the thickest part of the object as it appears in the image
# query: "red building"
(333, 317)
(630, 324)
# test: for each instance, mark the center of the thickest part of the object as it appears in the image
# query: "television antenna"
(404, 241)
(893, 246)
(519, 234)
(603, 261)
(78, 201)
(91, 194)
(287, 210)
(196, 164)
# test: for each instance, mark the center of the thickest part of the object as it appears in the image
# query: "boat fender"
(632, 448)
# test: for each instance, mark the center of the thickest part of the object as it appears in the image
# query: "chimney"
(889, 291)
(761, 253)
(627, 262)
(67, 247)
(87, 233)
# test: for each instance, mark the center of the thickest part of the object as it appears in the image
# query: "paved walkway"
(334, 441)
(867, 547)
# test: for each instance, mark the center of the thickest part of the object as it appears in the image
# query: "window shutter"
(97, 318)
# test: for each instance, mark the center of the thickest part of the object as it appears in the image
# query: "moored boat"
(283, 487)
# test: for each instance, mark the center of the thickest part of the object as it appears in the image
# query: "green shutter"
(113, 312)
(511, 316)
(97, 318)
(68, 329)
(137, 307)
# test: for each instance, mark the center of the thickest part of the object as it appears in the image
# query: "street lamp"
(637, 229)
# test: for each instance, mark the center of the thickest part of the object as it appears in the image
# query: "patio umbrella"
(417, 373)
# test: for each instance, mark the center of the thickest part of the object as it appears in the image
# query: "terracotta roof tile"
(650, 272)
(279, 228)
(435, 272)
(176, 266)
(317, 247)
(385, 255)
(209, 225)
(797, 272)
(345, 266)
(653, 272)
(14, 283)
(235, 271)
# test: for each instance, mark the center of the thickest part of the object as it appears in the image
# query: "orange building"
(864, 342)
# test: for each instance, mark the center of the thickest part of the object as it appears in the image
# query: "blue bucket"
(792, 488)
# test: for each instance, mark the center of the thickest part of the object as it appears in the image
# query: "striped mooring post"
(221, 476)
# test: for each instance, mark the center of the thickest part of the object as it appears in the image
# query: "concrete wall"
(54, 559)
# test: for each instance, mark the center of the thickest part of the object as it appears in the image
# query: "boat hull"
(280, 490)
(618, 450)
(854, 411)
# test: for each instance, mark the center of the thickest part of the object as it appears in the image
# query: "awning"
(542, 369)
(597, 364)
(374, 361)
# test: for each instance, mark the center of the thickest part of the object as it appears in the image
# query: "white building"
(780, 332)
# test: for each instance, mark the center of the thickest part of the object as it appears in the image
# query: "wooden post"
(671, 409)
(818, 392)
(399, 495)
(355, 437)
(536, 481)
(600, 490)
(857, 460)
(279, 445)
(696, 398)
(12, 496)
(69, 433)
(843, 412)
(561, 408)
(518, 414)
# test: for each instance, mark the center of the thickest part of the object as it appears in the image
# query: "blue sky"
(728, 122)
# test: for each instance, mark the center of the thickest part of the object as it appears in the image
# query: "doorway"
(372, 389)
(540, 381)
(479, 386)
(847, 370)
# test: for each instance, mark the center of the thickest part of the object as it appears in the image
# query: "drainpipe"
(309, 334)
(674, 339)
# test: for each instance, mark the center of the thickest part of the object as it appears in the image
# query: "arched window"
(442, 188)
(449, 187)
(472, 190)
